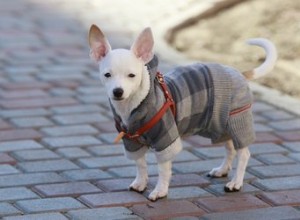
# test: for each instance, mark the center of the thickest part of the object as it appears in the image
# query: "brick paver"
(186, 180)
(235, 203)
(188, 192)
(13, 194)
(218, 189)
(75, 109)
(295, 156)
(276, 213)
(19, 134)
(163, 209)
(99, 162)
(103, 214)
(19, 145)
(272, 159)
(46, 205)
(280, 183)
(47, 165)
(276, 170)
(8, 209)
(26, 179)
(291, 197)
(31, 122)
(106, 150)
(37, 102)
(7, 169)
(115, 184)
(71, 141)
(24, 112)
(57, 157)
(70, 130)
(30, 155)
(66, 189)
(113, 199)
(130, 171)
(6, 159)
(86, 174)
(293, 146)
(43, 216)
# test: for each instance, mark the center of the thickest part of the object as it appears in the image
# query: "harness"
(169, 103)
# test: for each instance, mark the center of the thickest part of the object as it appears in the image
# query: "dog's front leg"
(237, 181)
(141, 180)
(164, 176)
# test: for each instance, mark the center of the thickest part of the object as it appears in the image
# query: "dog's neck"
(125, 107)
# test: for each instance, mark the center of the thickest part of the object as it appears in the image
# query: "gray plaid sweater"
(204, 94)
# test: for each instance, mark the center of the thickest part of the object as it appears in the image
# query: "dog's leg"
(164, 176)
(141, 180)
(226, 165)
(237, 181)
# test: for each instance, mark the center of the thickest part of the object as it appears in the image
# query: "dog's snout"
(118, 92)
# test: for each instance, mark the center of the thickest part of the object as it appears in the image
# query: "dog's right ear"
(99, 45)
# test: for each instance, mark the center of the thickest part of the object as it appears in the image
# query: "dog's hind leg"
(162, 186)
(226, 165)
(237, 181)
(141, 180)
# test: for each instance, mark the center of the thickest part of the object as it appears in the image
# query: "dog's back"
(205, 94)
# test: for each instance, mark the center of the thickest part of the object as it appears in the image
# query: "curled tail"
(268, 64)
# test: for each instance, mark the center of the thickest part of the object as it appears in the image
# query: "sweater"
(205, 94)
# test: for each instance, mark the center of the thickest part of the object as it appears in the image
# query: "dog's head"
(121, 70)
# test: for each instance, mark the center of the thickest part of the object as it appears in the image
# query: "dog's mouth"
(118, 98)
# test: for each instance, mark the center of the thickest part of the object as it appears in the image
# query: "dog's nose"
(118, 92)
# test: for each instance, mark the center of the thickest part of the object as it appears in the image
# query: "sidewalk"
(57, 160)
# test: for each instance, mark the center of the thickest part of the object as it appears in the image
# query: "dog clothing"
(212, 100)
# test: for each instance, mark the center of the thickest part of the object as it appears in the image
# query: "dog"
(153, 111)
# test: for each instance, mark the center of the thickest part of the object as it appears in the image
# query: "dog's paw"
(218, 172)
(156, 194)
(233, 186)
(138, 185)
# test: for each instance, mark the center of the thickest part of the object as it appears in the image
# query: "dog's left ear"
(99, 45)
(143, 45)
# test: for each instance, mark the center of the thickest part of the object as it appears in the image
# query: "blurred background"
(221, 37)
(218, 35)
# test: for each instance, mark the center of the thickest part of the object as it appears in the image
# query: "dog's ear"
(99, 45)
(143, 45)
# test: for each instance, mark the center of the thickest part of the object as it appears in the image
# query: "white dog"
(153, 111)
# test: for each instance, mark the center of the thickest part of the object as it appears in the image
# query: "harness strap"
(167, 94)
(169, 103)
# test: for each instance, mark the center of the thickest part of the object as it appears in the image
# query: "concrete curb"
(167, 28)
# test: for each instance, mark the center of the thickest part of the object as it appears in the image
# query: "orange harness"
(169, 103)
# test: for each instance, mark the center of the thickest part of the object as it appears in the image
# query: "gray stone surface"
(103, 214)
(46, 205)
(277, 213)
(16, 193)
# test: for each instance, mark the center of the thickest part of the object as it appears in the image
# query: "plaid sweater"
(205, 95)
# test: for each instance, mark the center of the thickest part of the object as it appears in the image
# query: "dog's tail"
(268, 64)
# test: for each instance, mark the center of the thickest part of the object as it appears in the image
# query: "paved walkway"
(56, 157)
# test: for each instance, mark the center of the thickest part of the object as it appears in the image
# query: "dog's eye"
(107, 75)
(131, 75)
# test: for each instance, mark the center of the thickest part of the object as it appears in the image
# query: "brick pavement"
(57, 160)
